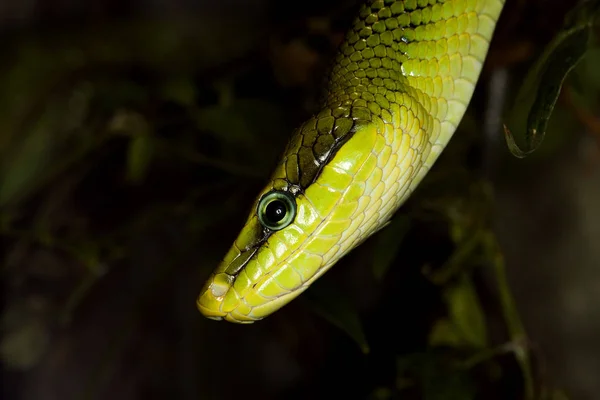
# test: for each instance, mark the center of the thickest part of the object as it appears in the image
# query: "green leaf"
(388, 244)
(179, 90)
(466, 314)
(444, 333)
(332, 305)
(141, 151)
(545, 79)
(22, 171)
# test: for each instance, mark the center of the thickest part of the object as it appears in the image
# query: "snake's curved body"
(400, 85)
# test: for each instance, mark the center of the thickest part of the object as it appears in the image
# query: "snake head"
(312, 212)
(322, 201)
(264, 269)
(257, 275)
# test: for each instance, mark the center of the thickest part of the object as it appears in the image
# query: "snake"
(395, 94)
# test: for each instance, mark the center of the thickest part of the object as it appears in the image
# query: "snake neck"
(367, 79)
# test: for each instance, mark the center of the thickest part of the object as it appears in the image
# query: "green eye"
(276, 210)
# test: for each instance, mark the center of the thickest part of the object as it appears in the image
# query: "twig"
(456, 263)
(515, 328)
(488, 354)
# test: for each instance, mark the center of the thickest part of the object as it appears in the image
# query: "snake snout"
(219, 300)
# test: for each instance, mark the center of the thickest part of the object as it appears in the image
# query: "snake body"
(399, 87)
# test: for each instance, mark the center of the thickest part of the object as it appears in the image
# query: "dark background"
(133, 137)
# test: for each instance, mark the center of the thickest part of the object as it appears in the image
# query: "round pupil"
(275, 211)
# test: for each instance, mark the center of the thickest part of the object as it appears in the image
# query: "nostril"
(218, 290)
(220, 285)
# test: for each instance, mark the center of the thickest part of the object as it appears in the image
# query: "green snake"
(399, 87)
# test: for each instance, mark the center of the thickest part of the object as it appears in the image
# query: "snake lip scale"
(399, 87)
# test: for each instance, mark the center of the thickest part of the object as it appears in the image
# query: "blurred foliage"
(129, 155)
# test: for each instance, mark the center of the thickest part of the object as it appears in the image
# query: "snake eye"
(276, 210)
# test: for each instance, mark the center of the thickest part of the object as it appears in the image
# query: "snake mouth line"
(216, 314)
(211, 305)
(220, 316)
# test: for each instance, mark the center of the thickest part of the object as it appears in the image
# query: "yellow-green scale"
(398, 89)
